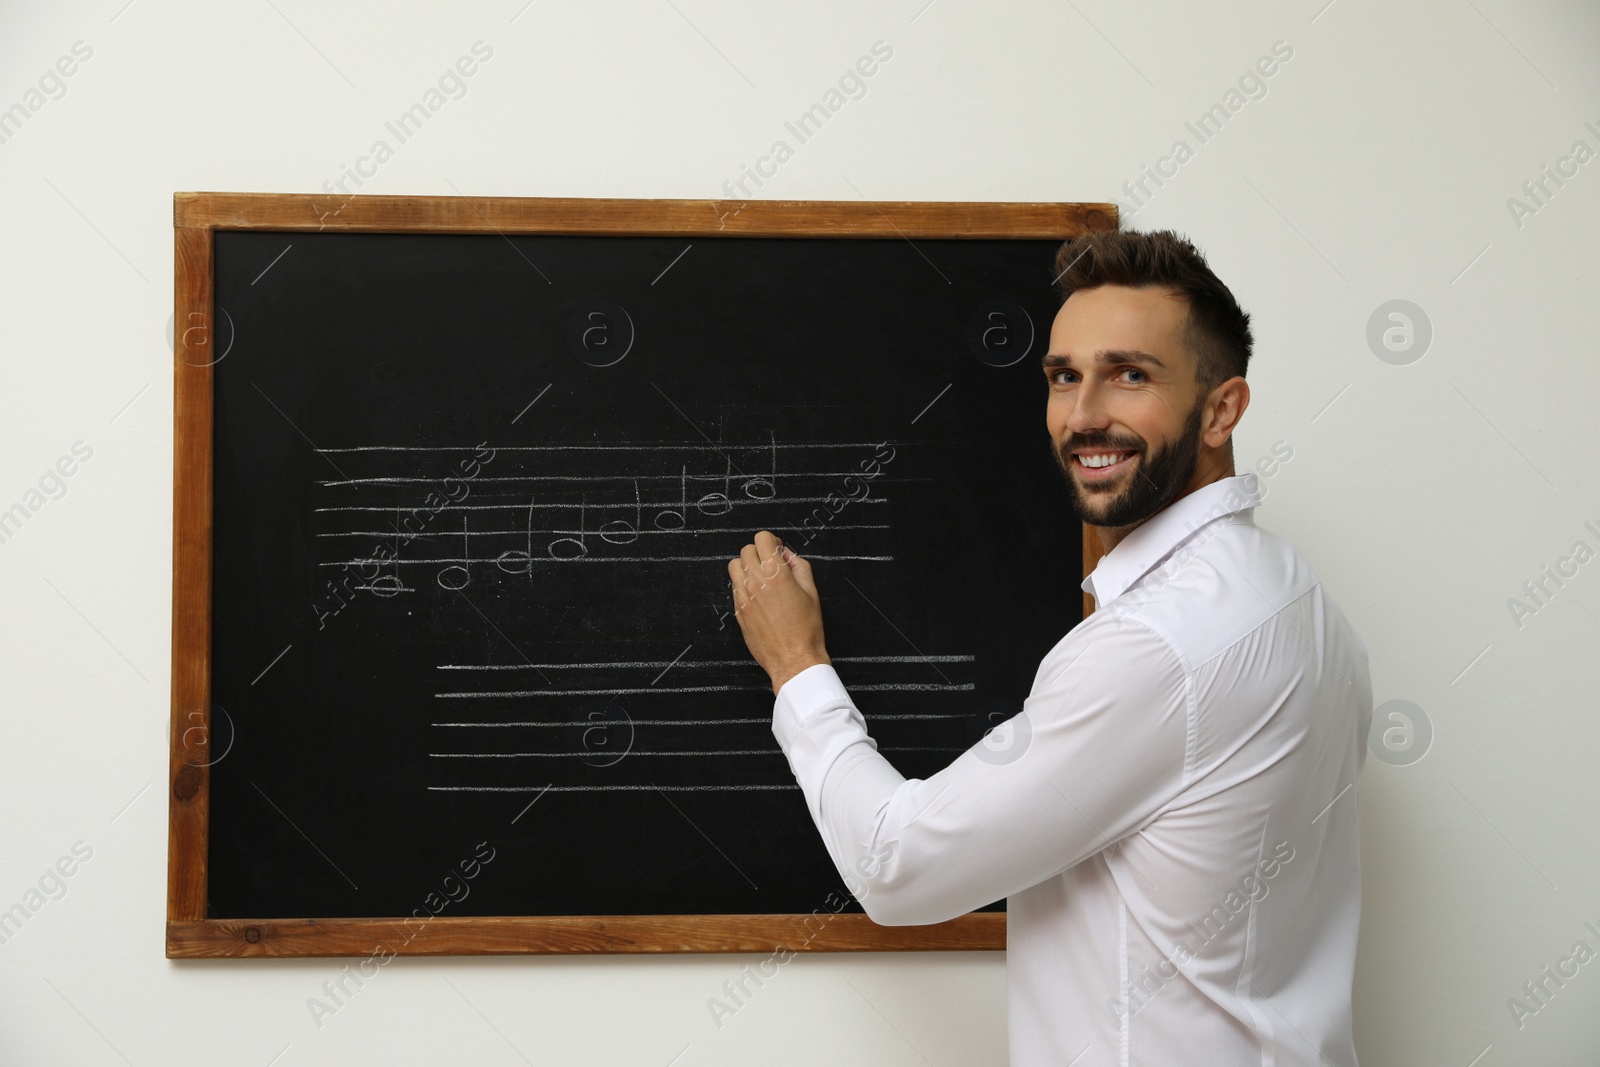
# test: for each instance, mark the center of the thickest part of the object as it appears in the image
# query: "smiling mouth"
(1096, 466)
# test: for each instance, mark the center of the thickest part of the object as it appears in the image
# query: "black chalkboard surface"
(474, 495)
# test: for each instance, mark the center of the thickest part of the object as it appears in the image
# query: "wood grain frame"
(196, 218)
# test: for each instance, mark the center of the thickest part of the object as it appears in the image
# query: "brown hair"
(1217, 330)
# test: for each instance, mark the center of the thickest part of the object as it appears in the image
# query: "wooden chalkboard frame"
(197, 216)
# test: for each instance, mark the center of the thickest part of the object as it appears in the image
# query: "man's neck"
(1110, 536)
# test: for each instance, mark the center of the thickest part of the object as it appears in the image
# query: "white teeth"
(1099, 460)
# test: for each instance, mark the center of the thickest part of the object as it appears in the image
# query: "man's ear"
(1224, 408)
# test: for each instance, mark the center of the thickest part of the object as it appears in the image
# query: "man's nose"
(1088, 414)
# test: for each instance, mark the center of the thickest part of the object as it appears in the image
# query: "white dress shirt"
(1171, 816)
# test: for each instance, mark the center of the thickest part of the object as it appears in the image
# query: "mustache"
(1110, 444)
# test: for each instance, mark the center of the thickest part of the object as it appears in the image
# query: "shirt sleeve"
(1097, 750)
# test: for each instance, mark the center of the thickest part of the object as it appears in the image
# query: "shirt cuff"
(816, 722)
(815, 688)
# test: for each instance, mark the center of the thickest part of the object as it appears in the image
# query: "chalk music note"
(755, 487)
(517, 554)
(682, 511)
(710, 500)
(627, 532)
(771, 484)
(465, 567)
(580, 542)
(388, 585)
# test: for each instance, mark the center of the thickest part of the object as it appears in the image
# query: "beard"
(1155, 478)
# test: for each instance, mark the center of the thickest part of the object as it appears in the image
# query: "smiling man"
(1171, 816)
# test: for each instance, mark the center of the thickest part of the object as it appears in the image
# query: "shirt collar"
(1156, 538)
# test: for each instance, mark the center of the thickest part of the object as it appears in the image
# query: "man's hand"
(776, 604)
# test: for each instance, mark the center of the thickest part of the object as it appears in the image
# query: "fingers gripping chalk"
(777, 607)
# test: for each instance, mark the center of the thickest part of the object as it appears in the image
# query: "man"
(1173, 824)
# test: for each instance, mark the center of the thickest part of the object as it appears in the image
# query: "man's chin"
(1095, 513)
(1094, 505)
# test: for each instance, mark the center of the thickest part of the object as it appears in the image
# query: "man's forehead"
(1120, 325)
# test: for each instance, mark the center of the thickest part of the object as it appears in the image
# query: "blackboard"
(469, 652)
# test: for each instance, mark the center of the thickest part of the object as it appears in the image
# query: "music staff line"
(767, 721)
(686, 447)
(408, 480)
(640, 752)
(462, 561)
(574, 549)
(875, 687)
(597, 507)
(653, 663)
(608, 788)
(490, 533)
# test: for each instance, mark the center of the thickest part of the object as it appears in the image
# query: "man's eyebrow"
(1053, 360)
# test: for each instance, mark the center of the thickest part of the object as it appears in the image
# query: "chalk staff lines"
(526, 517)
(526, 509)
(660, 726)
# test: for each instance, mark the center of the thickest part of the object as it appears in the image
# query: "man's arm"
(1095, 753)
(1098, 748)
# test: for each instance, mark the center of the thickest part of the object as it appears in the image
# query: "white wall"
(1377, 167)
